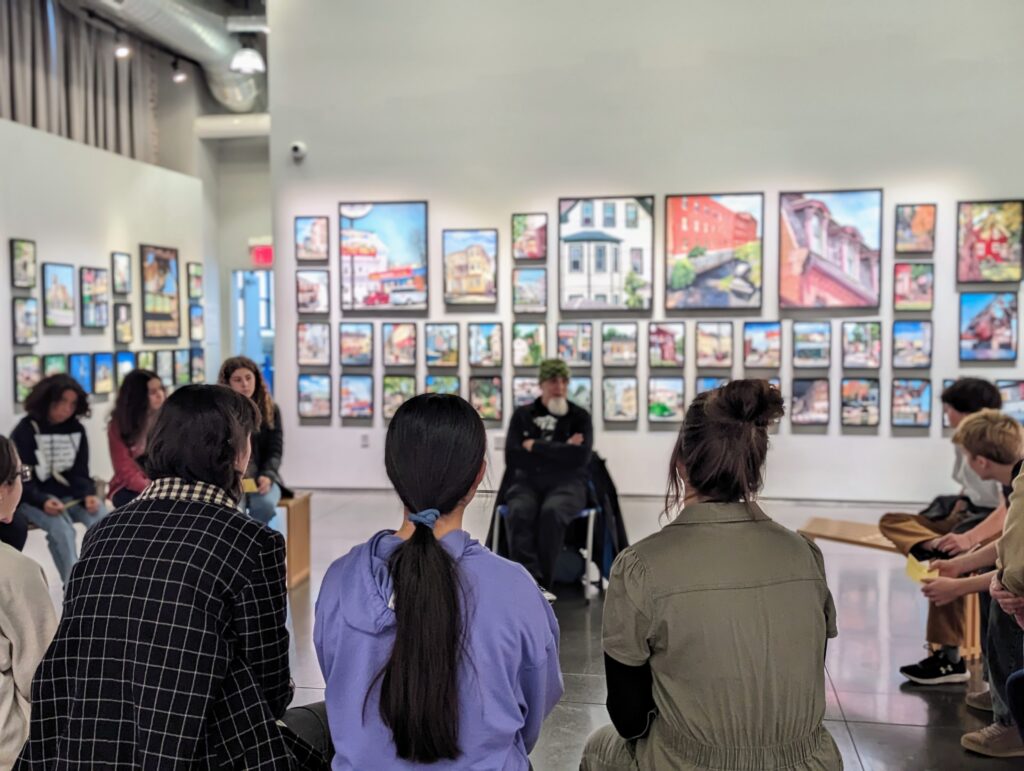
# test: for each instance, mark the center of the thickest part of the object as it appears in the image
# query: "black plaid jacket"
(172, 651)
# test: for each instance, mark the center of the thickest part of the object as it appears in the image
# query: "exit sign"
(261, 252)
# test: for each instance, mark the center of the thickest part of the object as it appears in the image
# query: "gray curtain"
(58, 73)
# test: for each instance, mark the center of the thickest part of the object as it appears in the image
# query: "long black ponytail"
(434, 451)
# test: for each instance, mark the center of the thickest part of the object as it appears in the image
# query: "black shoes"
(936, 670)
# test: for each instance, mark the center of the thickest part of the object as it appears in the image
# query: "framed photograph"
(161, 307)
(621, 400)
(666, 342)
(714, 344)
(530, 237)
(812, 344)
(399, 344)
(946, 383)
(165, 367)
(470, 266)
(182, 367)
(398, 389)
(314, 343)
(146, 360)
(94, 289)
(312, 239)
(55, 364)
(442, 384)
(356, 341)
(988, 326)
(915, 228)
(442, 345)
(525, 390)
(529, 290)
(762, 344)
(830, 249)
(911, 403)
(988, 246)
(28, 371)
(576, 343)
(1012, 392)
(665, 400)
(58, 295)
(619, 344)
(197, 365)
(194, 271)
(811, 405)
(861, 400)
(606, 253)
(357, 396)
(485, 346)
(581, 392)
(485, 394)
(124, 332)
(314, 392)
(911, 344)
(862, 344)
(713, 246)
(103, 373)
(705, 384)
(312, 291)
(383, 250)
(26, 320)
(24, 268)
(80, 368)
(124, 362)
(196, 323)
(528, 344)
(121, 271)
(913, 286)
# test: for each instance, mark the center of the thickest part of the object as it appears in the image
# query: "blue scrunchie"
(426, 517)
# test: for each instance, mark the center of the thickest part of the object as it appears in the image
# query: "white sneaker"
(550, 597)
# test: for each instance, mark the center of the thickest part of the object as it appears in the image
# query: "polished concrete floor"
(878, 721)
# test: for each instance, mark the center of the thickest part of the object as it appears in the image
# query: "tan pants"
(607, 751)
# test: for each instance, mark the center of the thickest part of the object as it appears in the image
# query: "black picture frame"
(321, 380)
(604, 398)
(542, 329)
(387, 330)
(98, 360)
(197, 365)
(956, 262)
(120, 338)
(196, 333)
(609, 363)
(27, 387)
(529, 309)
(123, 260)
(575, 361)
(450, 298)
(362, 378)
(321, 361)
(430, 325)
(165, 366)
(651, 364)
(896, 265)
(409, 385)
(920, 253)
(473, 328)
(732, 345)
(892, 403)
(47, 300)
(793, 398)
(363, 326)
(295, 237)
(301, 308)
(651, 379)
(63, 369)
(827, 363)
(842, 342)
(73, 359)
(182, 367)
(541, 259)
(497, 381)
(873, 383)
(17, 283)
(194, 270)
(962, 296)
(33, 339)
(931, 343)
(102, 316)
(122, 356)
(161, 313)
(144, 358)
(747, 325)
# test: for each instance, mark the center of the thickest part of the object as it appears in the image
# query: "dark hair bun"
(746, 401)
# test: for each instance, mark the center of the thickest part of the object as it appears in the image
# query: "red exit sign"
(261, 254)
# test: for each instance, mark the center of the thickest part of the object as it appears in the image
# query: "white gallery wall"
(485, 109)
(79, 204)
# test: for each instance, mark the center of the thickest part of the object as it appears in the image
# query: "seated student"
(715, 628)
(27, 620)
(242, 376)
(172, 650)
(139, 400)
(993, 444)
(434, 650)
(53, 443)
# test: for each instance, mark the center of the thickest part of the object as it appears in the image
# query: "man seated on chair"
(547, 451)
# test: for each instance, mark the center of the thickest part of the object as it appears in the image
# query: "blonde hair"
(993, 435)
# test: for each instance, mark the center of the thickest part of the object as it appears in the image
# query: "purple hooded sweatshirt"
(510, 683)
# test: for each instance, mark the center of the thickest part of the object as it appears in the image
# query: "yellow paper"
(249, 486)
(918, 571)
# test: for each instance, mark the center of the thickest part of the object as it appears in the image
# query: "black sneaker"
(936, 670)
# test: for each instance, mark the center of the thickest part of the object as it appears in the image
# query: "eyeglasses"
(25, 472)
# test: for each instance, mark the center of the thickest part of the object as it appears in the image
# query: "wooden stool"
(869, 536)
(296, 533)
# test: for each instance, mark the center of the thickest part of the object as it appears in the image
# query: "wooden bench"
(296, 532)
(869, 536)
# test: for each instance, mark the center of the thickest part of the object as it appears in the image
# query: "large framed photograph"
(196, 323)
(197, 365)
(103, 373)
(606, 253)
(861, 401)
(124, 332)
(530, 237)
(704, 384)
(161, 306)
(165, 367)
(911, 344)
(94, 289)
(665, 399)
(525, 390)
(398, 389)
(356, 396)
(713, 248)
(621, 400)
(486, 395)
(862, 344)
(812, 344)
(441, 345)
(911, 403)
(762, 344)
(194, 271)
(182, 367)
(80, 368)
(988, 326)
(830, 249)
(913, 286)
(312, 291)
(528, 344)
(314, 343)
(26, 320)
(1012, 392)
(811, 405)
(988, 241)
(312, 240)
(399, 344)
(28, 370)
(383, 249)
(470, 266)
(619, 344)
(124, 363)
(485, 345)
(915, 228)
(576, 343)
(530, 290)
(58, 295)
(442, 384)
(355, 339)
(24, 268)
(581, 392)
(714, 344)
(55, 364)
(121, 272)
(314, 396)
(667, 344)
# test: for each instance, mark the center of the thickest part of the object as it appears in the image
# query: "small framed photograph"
(915, 228)
(861, 401)
(581, 392)
(762, 344)
(121, 270)
(470, 266)
(667, 344)
(161, 303)
(55, 364)
(988, 326)
(356, 396)
(812, 344)
(911, 344)
(485, 394)
(124, 362)
(146, 360)
(356, 341)
(80, 368)
(811, 405)
(714, 344)
(124, 331)
(28, 370)
(196, 323)
(182, 367)
(399, 344)
(705, 384)
(312, 240)
(530, 237)
(165, 367)
(862, 344)
(398, 389)
(621, 401)
(442, 384)
(913, 286)
(988, 242)
(525, 390)
(58, 295)
(197, 365)
(314, 392)
(529, 343)
(1012, 392)
(94, 286)
(26, 320)
(194, 272)
(529, 290)
(24, 268)
(442, 345)
(946, 383)
(576, 343)
(103, 373)
(485, 345)
(665, 399)
(312, 291)
(911, 403)
(314, 344)
(619, 344)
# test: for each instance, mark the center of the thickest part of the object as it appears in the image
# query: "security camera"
(298, 151)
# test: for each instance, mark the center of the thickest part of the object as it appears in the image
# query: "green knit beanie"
(552, 368)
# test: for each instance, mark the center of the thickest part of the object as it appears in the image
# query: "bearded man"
(548, 452)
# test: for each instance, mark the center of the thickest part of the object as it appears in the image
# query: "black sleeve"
(24, 439)
(273, 448)
(630, 698)
(515, 455)
(569, 457)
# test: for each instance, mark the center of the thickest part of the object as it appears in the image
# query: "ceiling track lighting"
(178, 75)
(121, 48)
(247, 60)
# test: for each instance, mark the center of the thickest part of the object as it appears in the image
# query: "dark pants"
(1005, 656)
(15, 532)
(123, 496)
(309, 723)
(539, 510)
(1015, 699)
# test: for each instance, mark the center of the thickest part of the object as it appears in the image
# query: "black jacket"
(54, 452)
(551, 456)
(267, 451)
